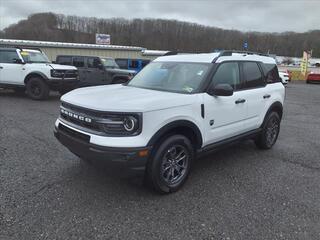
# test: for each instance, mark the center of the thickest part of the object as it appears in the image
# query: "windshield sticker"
(24, 53)
(188, 89)
(200, 72)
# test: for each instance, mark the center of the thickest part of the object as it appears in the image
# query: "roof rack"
(20, 47)
(230, 52)
(28, 47)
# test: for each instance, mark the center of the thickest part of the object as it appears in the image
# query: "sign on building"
(102, 38)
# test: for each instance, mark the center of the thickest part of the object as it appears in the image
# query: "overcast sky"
(244, 15)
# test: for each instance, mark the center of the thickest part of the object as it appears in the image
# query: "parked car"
(313, 78)
(132, 64)
(285, 77)
(95, 71)
(29, 70)
(177, 108)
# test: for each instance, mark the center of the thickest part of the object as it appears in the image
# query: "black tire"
(167, 169)
(37, 88)
(270, 131)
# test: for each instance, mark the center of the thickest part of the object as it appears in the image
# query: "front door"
(225, 115)
(96, 74)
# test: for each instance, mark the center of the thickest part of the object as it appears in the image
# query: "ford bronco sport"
(30, 70)
(175, 109)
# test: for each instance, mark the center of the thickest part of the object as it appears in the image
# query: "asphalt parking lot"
(238, 193)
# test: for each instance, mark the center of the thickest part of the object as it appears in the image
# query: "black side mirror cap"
(221, 90)
(18, 60)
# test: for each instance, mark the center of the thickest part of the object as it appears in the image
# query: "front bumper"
(62, 83)
(128, 159)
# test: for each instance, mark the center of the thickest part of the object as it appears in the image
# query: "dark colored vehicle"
(132, 64)
(95, 71)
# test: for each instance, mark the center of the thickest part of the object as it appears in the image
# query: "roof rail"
(28, 47)
(230, 52)
(20, 47)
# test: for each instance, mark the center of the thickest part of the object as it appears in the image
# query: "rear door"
(10, 71)
(256, 93)
(225, 115)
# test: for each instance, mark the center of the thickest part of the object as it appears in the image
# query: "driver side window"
(227, 73)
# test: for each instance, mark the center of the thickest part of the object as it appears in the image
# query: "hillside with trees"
(159, 34)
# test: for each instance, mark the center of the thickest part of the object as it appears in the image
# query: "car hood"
(121, 98)
(62, 67)
(121, 71)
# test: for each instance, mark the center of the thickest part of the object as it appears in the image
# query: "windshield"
(171, 76)
(34, 56)
(109, 63)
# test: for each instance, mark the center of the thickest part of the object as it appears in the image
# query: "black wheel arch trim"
(40, 74)
(168, 128)
(276, 106)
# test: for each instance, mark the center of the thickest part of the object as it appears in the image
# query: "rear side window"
(8, 56)
(252, 75)
(271, 72)
(64, 60)
(78, 62)
(227, 73)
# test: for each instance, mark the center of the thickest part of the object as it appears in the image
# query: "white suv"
(30, 70)
(175, 109)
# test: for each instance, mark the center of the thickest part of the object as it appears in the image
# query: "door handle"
(266, 96)
(240, 101)
(1, 67)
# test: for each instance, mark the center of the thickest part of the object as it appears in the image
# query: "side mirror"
(221, 90)
(100, 66)
(18, 60)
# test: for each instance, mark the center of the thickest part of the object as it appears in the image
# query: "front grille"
(94, 121)
(65, 73)
(71, 74)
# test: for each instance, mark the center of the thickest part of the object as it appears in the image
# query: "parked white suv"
(29, 70)
(175, 109)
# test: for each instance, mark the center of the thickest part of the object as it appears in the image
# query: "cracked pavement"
(237, 193)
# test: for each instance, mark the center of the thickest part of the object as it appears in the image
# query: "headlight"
(121, 125)
(130, 123)
(57, 73)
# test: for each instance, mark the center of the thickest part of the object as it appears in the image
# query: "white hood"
(120, 98)
(62, 67)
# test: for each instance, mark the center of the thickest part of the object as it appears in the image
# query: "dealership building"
(52, 49)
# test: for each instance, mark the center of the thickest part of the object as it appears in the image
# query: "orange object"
(143, 153)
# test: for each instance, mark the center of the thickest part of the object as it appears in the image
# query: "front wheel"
(170, 164)
(270, 131)
(37, 89)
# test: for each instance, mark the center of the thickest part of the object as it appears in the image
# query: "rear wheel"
(270, 131)
(37, 89)
(169, 167)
